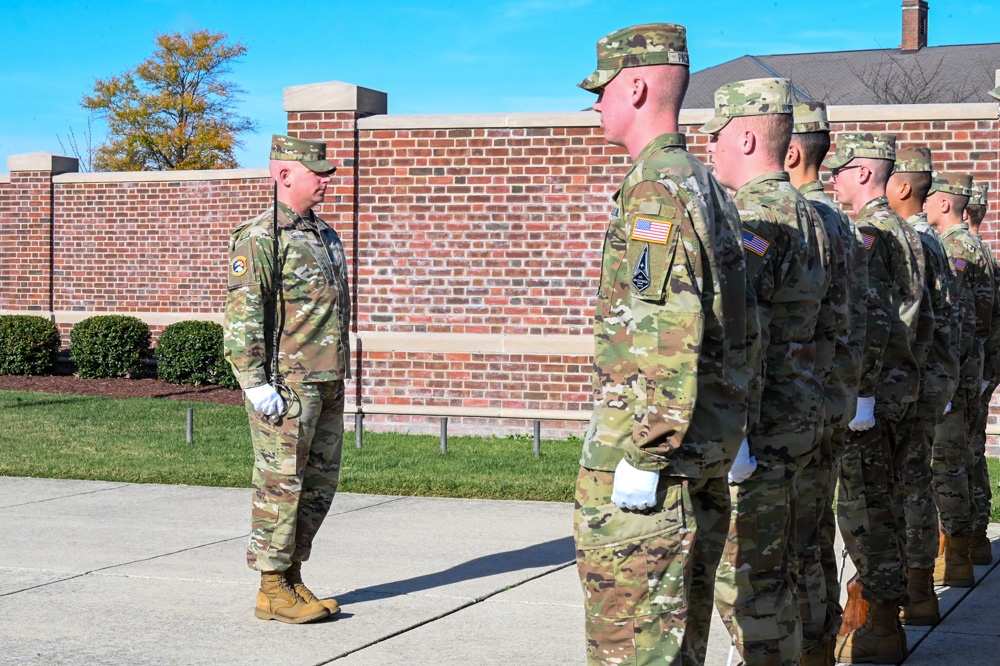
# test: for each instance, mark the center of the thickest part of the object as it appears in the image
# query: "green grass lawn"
(144, 441)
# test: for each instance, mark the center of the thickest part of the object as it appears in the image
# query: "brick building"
(474, 243)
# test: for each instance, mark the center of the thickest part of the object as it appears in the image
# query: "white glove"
(265, 400)
(744, 465)
(982, 389)
(864, 415)
(634, 488)
(947, 408)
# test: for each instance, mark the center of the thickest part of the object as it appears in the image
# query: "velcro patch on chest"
(651, 231)
(754, 243)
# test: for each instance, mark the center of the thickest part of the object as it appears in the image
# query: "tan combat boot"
(276, 600)
(954, 567)
(923, 607)
(880, 640)
(294, 577)
(980, 549)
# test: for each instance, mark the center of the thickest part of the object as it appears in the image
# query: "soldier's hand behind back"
(265, 400)
(634, 488)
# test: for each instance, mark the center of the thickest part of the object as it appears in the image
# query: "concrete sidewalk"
(110, 573)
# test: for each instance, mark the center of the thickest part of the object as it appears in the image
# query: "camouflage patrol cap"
(638, 45)
(809, 117)
(951, 183)
(979, 191)
(312, 154)
(754, 97)
(873, 145)
(913, 160)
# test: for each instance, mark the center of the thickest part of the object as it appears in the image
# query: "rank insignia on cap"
(755, 243)
(238, 266)
(651, 231)
(869, 240)
(640, 276)
(959, 264)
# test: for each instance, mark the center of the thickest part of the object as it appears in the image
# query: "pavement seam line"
(54, 499)
(951, 610)
(445, 614)
(123, 564)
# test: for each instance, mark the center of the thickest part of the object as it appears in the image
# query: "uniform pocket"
(633, 564)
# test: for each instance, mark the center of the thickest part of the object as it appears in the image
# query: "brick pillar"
(330, 112)
(26, 235)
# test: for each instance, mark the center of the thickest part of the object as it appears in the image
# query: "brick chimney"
(914, 26)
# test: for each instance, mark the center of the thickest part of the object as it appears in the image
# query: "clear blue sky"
(428, 56)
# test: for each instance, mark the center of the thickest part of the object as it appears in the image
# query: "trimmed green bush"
(29, 345)
(190, 352)
(109, 346)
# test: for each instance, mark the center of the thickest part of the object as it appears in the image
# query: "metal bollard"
(359, 428)
(190, 425)
(444, 434)
(538, 438)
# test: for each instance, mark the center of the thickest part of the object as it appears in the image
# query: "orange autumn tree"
(175, 110)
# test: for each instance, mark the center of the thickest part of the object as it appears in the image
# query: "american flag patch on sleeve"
(755, 243)
(869, 241)
(651, 231)
(959, 264)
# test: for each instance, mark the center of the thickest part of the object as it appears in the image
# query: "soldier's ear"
(793, 156)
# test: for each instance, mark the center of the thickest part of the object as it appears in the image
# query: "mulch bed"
(121, 388)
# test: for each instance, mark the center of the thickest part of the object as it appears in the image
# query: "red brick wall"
(463, 231)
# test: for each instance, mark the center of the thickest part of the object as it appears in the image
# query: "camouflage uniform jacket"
(922, 326)
(975, 287)
(888, 370)
(938, 360)
(993, 365)
(991, 349)
(846, 298)
(313, 300)
(786, 255)
(670, 366)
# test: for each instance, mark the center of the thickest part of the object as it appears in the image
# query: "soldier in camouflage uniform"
(297, 429)
(787, 258)
(869, 503)
(952, 460)
(979, 544)
(938, 360)
(818, 582)
(669, 371)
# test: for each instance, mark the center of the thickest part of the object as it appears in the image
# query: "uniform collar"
(289, 219)
(811, 186)
(877, 202)
(668, 140)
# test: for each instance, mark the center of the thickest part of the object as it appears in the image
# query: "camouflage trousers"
(919, 510)
(951, 465)
(647, 576)
(295, 476)
(818, 583)
(870, 505)
(982, 491)
(755, 586)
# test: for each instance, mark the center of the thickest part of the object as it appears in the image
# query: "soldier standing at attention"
(938, 361)
(979, 544)
(816, 527)
(866, 504)
(786, 259)
(669, 370)
(952, 460)
(287, 317)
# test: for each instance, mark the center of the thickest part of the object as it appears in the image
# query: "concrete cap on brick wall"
(43, 162)
(335, 96)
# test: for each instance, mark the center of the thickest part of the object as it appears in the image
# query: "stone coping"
(861, 113)
(376, 341)
(161, 176)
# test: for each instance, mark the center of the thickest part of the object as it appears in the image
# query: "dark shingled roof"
(932, 75)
